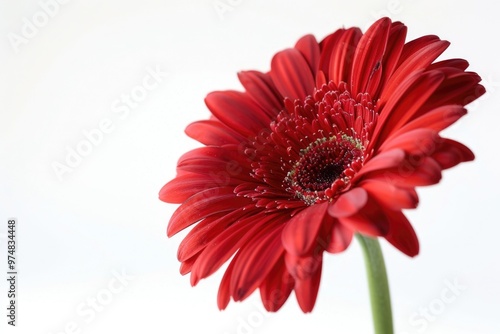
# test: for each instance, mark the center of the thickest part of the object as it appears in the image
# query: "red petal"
(225, 245)
(404, 103)
(368, 57)
(450, 153)
(327, 46)
(349, 203)
(253, 266)
(309, 48)
(300, 233)
(340, 238)
(320, 79)
(459, 88)
(423, 172)
(213, 133)
(276, 288)
(459, 64)
(218, 252)
(222, 166)
(183, 187)
(187, 265)
(416, 55)
(303, 267)
(401, 234)
(260, 86)
(415, 142)
(224, 294)
(291, 74)
(342, 56)
(395, 44)
(391, 196)
(207, 230)
(204, 153)
(228, 153)
(437, 119)
(238, 111)
(219, 172)
(383, 160)
(202, 205)
(306, 291)
(370, 220)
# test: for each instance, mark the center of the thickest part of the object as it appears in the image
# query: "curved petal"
(309, 48)
(401, 234)
(307, 274)
(203, 204)
(416, 56)
(381, 161)
(261, 88)
(212, 133)
(459, 88)
(183, 187)
(327, 46)
(246, 278)
(226, 244)
(238, 111)
(367, 64)
(415, 142)
(187, 265)
(457, 63)
(349, 203)
(395, 44)
(291, 74)
(450, 153)
(370, 220)
(276, 288)
(391, 196)
(300, 233)
(404, 103)
(224, 293)
(340, 238)
(342, 56)
(222, 166)
(207, 230)
(437, 120)
(422, 172)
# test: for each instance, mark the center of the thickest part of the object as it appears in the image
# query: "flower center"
(312, 149)
(324, 167)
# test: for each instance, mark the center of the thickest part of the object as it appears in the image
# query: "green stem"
(377, 284)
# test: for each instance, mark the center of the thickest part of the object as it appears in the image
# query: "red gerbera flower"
(329, 143)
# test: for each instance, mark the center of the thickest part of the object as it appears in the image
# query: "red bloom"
(331, 142)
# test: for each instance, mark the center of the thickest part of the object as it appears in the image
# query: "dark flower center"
(324, 164)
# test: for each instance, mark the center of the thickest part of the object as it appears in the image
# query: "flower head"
(332, 141)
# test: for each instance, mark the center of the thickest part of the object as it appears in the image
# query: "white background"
(104, 217)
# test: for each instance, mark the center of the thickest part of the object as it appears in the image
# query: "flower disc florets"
(325, 167)
(318, 144)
